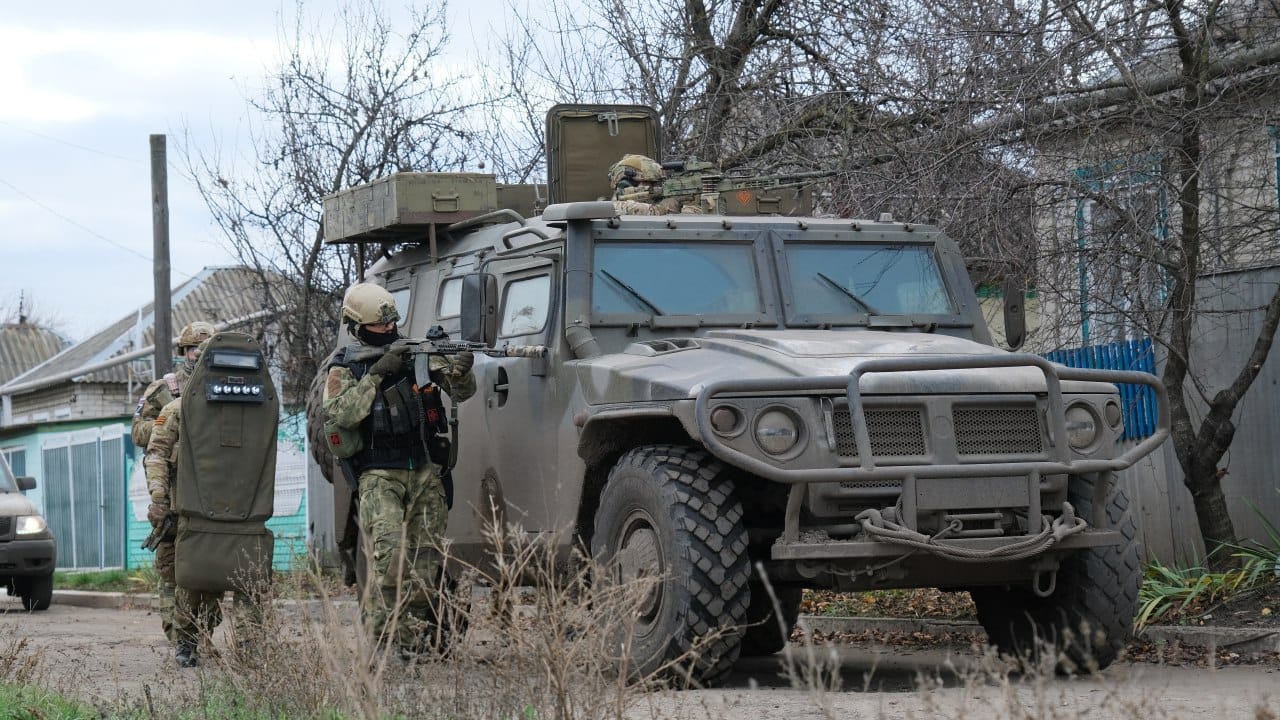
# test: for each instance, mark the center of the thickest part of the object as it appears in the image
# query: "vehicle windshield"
(675, 279)
(8, 483)
(841, 280)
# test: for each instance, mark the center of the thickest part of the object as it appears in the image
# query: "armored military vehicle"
(756, 399)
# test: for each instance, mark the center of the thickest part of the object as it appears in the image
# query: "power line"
(86, 228)
(68, 143)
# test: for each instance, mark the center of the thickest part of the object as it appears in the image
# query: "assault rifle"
(437, 342)
(166, 527)
(739, 194)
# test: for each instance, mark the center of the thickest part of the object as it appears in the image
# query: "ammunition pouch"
(438, 450)
(343, 442)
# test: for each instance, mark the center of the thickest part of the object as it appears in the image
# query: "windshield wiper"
(633, 293)
(848, 293)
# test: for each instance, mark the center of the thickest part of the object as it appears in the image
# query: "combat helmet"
(634, 169)
(369, 304)
(195, 333)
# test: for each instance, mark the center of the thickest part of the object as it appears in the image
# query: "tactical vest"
(406, 423)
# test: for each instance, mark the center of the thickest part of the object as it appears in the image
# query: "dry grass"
(545, 642)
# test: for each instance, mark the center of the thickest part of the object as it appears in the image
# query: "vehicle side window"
(450, 301)
(404, 301)
(525, 304)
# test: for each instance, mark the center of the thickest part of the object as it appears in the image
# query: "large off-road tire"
(1089, 617)
(668, 515)
(37, 592)
(765, 635)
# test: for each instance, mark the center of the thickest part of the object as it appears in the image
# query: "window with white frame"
(1274, 132)
(1122, 228)
(17, 459)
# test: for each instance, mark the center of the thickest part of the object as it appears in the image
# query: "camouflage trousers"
(164, 565)
(198, 613)
(402, 518)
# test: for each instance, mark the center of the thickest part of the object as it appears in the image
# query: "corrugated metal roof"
(24, 346)
(217, 295)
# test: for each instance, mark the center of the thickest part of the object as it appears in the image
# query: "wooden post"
(163, 335)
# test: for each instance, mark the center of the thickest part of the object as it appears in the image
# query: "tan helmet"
(636, 169)
(195, 333)
(369, 304)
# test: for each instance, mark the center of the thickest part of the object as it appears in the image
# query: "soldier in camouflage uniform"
(195, 613)
(637, 188)
(158, 394)
(401, 497)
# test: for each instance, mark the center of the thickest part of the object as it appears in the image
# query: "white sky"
(84, 85)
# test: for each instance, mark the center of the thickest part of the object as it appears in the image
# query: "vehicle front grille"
(895, 432)
(996, 430)
(980, 430)
(6, 526)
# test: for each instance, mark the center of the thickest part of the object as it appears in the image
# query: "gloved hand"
(156, 513)
(638, 194)
(462, 363)
(391, 362)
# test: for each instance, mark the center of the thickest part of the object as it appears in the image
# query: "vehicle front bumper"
(908, 483)
(22, 557)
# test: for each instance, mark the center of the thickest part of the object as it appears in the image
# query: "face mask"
(377, 339)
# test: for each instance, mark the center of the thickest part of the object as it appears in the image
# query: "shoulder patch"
(160, 420)
(333, 384)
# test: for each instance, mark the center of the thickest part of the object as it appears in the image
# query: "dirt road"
(105, 655)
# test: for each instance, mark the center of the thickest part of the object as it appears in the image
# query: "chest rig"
(407, 424)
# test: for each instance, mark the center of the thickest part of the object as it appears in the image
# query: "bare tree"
(360, 97)
(1164, 171)
(1079, 141)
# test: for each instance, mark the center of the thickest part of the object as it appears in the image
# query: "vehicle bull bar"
(1060, 461)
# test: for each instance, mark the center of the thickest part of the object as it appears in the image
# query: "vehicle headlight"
(30, 525)
(1082, 426)
(776, 431)
(726, 419)
(1115, 416)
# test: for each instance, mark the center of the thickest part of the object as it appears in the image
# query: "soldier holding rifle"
(394, 424)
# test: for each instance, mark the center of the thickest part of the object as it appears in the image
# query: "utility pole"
(163, 335)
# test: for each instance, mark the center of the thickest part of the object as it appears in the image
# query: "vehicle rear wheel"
(1089, 617)
(765, 635)
(38, 592)
(669, 516)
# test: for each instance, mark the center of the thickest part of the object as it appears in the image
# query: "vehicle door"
(520, 400)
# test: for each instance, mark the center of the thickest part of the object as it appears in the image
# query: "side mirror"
(1015, 321)
(480, 308)
(26, 482)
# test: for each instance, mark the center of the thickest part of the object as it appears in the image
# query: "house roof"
(24, 346)
(219, 295)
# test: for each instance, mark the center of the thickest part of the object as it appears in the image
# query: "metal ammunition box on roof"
(790, 201)
(404, 206)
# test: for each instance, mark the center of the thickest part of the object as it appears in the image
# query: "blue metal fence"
(1138, 401)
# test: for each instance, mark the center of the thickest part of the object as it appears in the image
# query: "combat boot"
(186, 655)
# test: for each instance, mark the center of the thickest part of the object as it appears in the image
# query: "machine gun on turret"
(723, 194)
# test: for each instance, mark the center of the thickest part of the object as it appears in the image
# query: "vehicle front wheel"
(1089, 617)
(38, 592)
(669, 517)
(769, 623)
